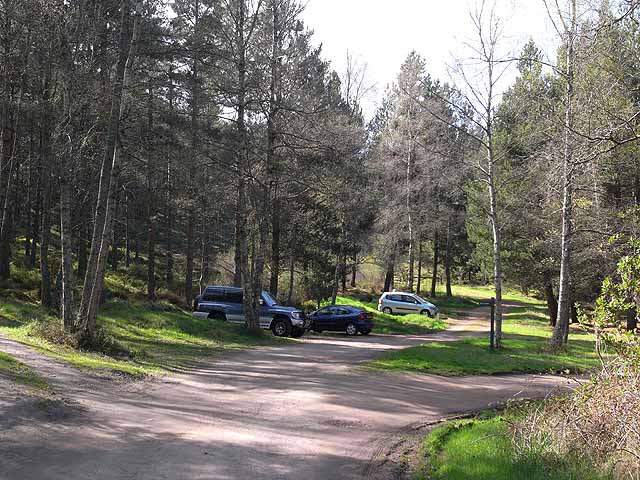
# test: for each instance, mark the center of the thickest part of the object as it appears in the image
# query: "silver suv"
(398, 302)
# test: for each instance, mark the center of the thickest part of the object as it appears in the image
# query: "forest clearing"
(286, 239)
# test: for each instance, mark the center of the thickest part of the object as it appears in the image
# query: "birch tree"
(101, 238)
(479, 92)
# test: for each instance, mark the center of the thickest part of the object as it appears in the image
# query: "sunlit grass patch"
(524, 350)
(482, 449)
(473, 357)
(18, 372)
(150, 338)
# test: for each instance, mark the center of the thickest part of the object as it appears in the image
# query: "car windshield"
(269, 300)
(419, 299)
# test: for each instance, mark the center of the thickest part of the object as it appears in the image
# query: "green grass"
(525, 349)
(156, 338)
(464, 298)
(485, 292)
(481, 449)
(396, 324)
(162, 336)
(18, 372)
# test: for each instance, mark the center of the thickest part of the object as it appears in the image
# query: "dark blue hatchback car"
(342, 318)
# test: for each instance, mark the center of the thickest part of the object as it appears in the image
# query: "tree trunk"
(272, 165)
(67, 312)
(195, 112)
(239, 233)
(169, 230)
(561, 329)
(250, 280)
(46, 295)
(203, 281)
(574, 315)
(336, 276)
(292, 264)
(36, 214)
(447, 259)
(253, 313)
(275, 248)
(30, 234)
(94, 278)
(8, 138)
(151, 205)
(7, 168)
(420, 253)
(127, 232)
(354, 270)
(188, 279)
(343, 274)
(67, 303)
(497, 259)
(113, 260)
(82, 250)
(151, 260)
(388, 277)
(632, 319)
(434, 273)
(409, 216)
(552, 303)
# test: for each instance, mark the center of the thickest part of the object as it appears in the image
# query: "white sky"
(381, 33)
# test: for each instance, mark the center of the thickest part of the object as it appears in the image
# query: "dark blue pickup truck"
(226, 304)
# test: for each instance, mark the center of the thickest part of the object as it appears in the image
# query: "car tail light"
(362, 316)
(195, 305)
(380, 301)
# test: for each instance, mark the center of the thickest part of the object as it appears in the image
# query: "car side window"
(213, 296)
(326, 311)
(394, 298)
(342, 311)
(408, 299)
(233, 297)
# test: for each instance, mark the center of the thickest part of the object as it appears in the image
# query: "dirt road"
(303, 411)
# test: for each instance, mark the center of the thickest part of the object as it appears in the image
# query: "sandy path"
(303, 411)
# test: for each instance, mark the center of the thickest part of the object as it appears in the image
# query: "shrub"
(600, 420)
(52, 330)
(104, 342)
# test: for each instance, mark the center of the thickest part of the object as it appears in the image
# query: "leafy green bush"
(600, 420)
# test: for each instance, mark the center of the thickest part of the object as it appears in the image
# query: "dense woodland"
(209, 141)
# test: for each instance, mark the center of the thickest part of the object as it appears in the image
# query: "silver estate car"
(398, 302)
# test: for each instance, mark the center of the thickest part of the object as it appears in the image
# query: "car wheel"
(221, 317)
(297, 332)
(386, 310)
(365, 332)
(351, 329)
(281, 327)
(426, 312)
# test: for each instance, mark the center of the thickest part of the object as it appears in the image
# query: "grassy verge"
(464, 298)
(151, 338)
(482, 449)
(18, 372)
(525, 343)
(396, 324)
